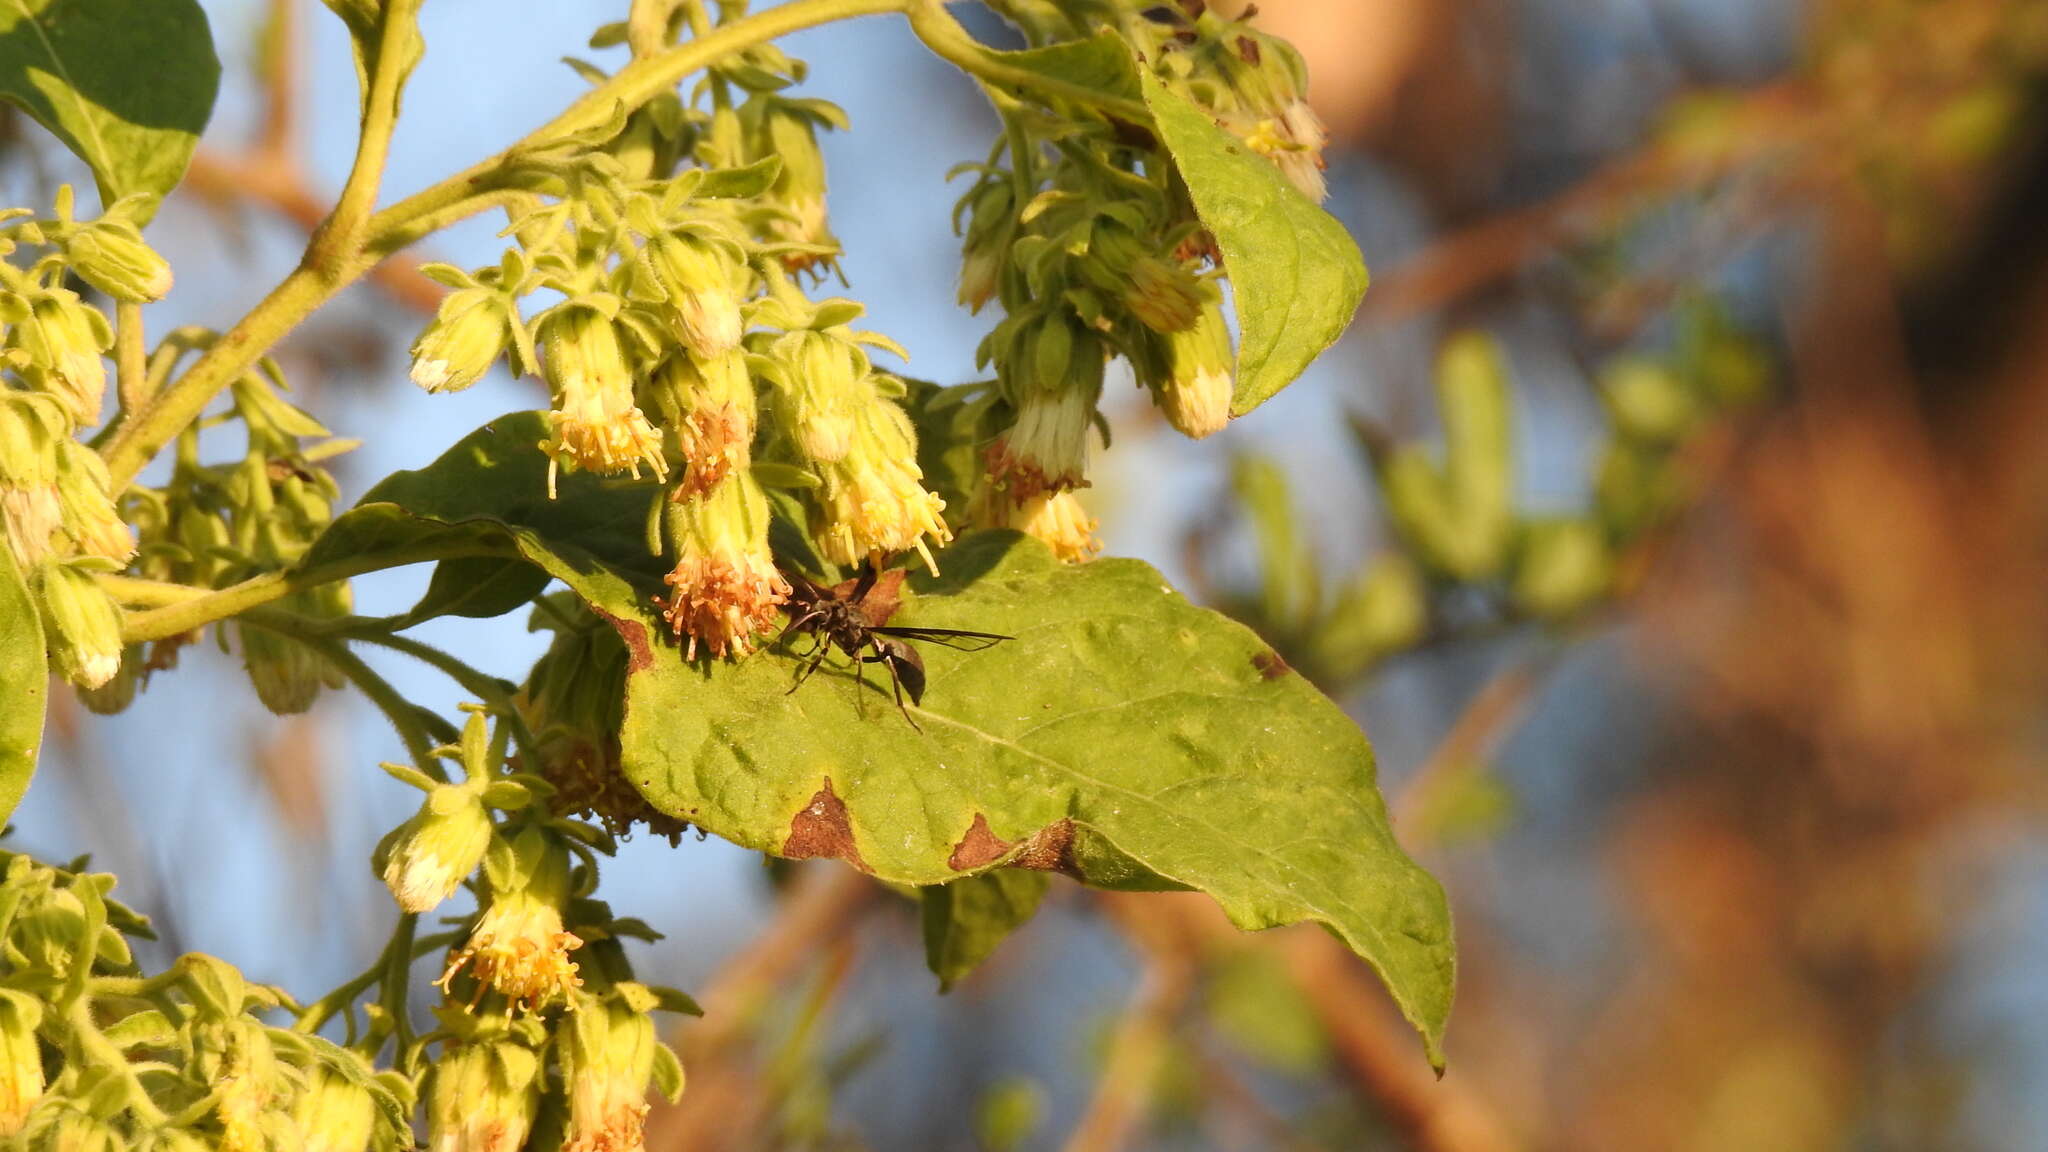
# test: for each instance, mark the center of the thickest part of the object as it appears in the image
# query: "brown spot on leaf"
(1271, 665)
(1248, 50)
(1050, 849)
(822, 829)
(882, 599)
(640, 651)
(979, 847)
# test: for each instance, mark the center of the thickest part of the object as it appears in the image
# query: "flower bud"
(286, 674)
(788, 130)
(595, 424)
(63, 339)
(334, 1113)
(249, 1080)
(985, 249)
(872, 502)
(70, 1130)
(713, 410)
(84, 494)
(21, 1059)
(484, 1097)
(607, 1052)
(1193, 381)
(823, 391)
(1046, 449)
(461, 343)
(426, 858)
(519, 947)
(31, 429)
(1055, 519)
(81, 625)
(724, 589)
(114, 697)
(110, 255)
(699, 277)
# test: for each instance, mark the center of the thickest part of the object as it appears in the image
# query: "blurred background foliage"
(1673, 518)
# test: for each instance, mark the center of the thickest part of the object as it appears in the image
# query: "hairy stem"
(131, 367)
(178, 608)
(951, 42)
(336, 244)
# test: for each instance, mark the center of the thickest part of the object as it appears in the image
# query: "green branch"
(950, 42)
(177, 608)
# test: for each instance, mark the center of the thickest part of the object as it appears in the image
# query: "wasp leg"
(887, 660)
(811, 659)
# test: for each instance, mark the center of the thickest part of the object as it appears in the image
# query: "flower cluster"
(57, 510)
(179, 1060)
(683, 350)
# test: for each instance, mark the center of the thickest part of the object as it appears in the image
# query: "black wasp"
(854, 618)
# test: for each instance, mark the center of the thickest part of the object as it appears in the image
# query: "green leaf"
(478, 587)
(1122, 735)
(1101, 63)
(966, 919)
(24, 681)
(1295, 274)
(128, 85)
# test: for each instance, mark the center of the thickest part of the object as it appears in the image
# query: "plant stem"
(486, 688)
(180, 608)
(419, 744)
(131, 367)
(458, 197)
(950, 42)
(337, 242)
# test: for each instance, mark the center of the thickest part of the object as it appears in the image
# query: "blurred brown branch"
(823, 905)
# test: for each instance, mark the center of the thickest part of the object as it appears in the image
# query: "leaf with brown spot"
(1124, 736)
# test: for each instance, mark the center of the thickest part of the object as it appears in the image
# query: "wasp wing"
(958, 639)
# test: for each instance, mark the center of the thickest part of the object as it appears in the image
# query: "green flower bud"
(1563, 568)
(1382, 611)
(114, 697)
(63, 338)
(872, 501)
(426, 858)
(483, 1098)
(1647, 401)
(248, 1083)
(1193, 381)
(823, 389)
(725, 589)
(985, 248)
(699, 278)
(334, 1113)
(783, 128)
(713, 409)
(31, 510)
(595, 424)
(607, 1052)
(286, 674)
(81, 624)
(1054, 378)
(461, 343)
(84, 494)
(21, 1059)
(111, 255)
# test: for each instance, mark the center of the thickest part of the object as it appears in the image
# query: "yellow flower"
(595, 424)
(21, 1059)
(430, 855)
(484, 1097)
(1046, 449)
(1060, 522)
(461, 343)
(724, 589)
(520, 950)
(607, 1052)
(873, 502)
(1193, 383)
(334, 1113)
(713, 410)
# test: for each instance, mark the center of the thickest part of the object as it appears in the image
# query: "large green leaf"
(127, 84)
(1123, 735)
(1295, 275)
(24, 682)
